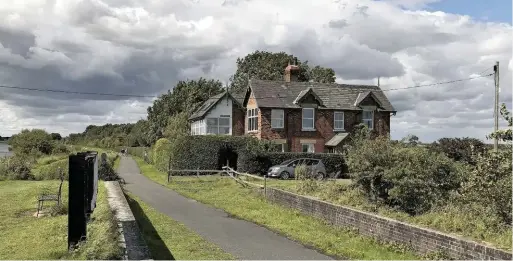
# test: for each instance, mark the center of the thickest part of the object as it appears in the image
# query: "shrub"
(161, 154)
(30, 141)
(306, 182)
(489, 184)
(260, 162)
(211, 152)
(411, 178)
(51, 170)
(60, 148)
(18, 167)
(459, 149)
(106, 171)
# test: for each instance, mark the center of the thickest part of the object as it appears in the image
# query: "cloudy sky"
(143, 47)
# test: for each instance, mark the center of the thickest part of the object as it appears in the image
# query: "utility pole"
(496, 107)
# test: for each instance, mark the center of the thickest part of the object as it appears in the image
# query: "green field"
(24, 236)
(244, 203)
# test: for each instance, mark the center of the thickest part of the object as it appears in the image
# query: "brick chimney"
(291, 72)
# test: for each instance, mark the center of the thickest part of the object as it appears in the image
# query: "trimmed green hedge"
(259, 163)
(211, 152)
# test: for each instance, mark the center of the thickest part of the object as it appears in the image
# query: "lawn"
(27, 237)
(244, 203)
(169, 239)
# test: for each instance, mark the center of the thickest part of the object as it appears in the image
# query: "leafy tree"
(178, 125)
(56, 136)
(459, 149)
(270, 66)
(322, 75)
(506, 134)
(28, 141)
(410, 140)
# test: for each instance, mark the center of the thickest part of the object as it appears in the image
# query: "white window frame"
(335, 120)
(303, 119)
(277, 119)
(370, 120)
(311, 147)
(252, 119)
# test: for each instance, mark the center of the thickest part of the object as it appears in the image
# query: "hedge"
(211, 152)
(260, 162)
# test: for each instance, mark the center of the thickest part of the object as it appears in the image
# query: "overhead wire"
(155, 96)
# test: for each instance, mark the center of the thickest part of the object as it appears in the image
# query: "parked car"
(286, 169)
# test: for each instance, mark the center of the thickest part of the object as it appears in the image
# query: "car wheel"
(284, 175)
(319, 176)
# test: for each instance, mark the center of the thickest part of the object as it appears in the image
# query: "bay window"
(218, 125)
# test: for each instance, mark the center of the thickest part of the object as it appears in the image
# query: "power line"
(74, 92)
(153, 96)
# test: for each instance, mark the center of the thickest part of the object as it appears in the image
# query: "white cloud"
(144, 47)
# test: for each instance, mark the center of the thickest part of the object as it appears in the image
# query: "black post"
(83, 187)
(77, 228)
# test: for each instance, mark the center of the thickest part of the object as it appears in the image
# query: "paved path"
(243, 239)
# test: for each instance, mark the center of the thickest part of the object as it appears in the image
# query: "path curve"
(243, 239)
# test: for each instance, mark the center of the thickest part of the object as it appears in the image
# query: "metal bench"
(50, 197)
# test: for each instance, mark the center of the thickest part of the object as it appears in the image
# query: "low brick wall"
(131, 238)
(421, 239)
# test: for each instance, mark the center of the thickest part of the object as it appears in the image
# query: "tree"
(185, 97)
(504, 135)
(56, 136)
(178, 125)
(459, 149)
(270, 66)
(28, 141)
(411, 140)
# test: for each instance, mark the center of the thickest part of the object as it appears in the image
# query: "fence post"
(169, 169)
(265, 186)
(197, 172)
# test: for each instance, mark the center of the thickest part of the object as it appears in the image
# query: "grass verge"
(27, 237)
(245, 204)
(169, 239)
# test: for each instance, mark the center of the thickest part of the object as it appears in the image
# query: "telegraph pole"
(496, 107)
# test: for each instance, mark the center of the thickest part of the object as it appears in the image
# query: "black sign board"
(83, 187)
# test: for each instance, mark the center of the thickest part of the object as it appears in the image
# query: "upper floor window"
(368, 118)
(308, 119)
(252, 115)
(338, 120)
(277, 119)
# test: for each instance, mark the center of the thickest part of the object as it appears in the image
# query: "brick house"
(312, 117)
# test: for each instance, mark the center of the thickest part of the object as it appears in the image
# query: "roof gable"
(211, 103)
(304, 94)
(365, 96)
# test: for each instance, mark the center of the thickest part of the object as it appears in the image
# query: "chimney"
(291, 72)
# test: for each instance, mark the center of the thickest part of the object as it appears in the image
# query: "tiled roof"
(280, 94)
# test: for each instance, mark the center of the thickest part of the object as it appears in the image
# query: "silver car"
(286, 169)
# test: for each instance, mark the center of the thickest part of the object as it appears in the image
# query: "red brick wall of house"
(238, 121)
(324, 123)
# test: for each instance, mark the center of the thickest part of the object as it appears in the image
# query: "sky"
(143, 47)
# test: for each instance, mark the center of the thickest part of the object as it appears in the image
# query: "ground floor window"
(308, 147)
(218, 125)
